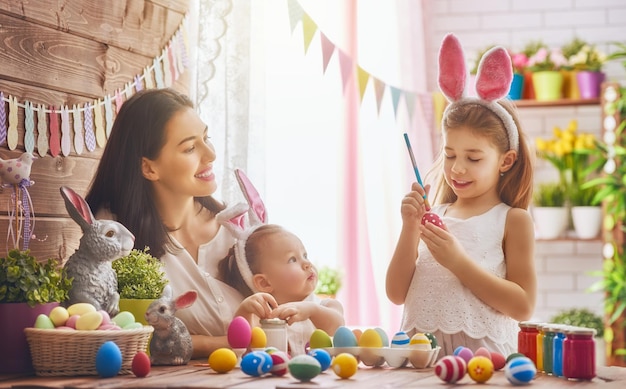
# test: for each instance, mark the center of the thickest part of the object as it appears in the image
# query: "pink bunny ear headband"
(493, 81)
(234, 219)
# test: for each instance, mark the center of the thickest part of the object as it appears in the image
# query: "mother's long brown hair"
(119, 185)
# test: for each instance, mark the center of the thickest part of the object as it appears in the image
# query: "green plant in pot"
(28, 288)
(329, 282)
(140, 280)
(550, 214)
(580, 317)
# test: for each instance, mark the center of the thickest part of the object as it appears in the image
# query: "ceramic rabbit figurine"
(103, 241)
(171, 341)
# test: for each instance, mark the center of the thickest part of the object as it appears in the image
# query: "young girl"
(471, 281)
(270, 264)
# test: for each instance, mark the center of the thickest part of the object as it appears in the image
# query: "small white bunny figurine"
(103, 241)
(171, 341)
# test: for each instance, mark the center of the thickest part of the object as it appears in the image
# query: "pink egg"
(106, 318)
(498, 360)
(71, 321)
(483, 352)
(464, 353)
(239, 333)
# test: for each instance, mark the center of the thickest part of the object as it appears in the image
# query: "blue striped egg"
(256, 363)
(520, 371)
(400, 339)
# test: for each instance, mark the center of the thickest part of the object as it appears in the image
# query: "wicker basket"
(73, 353)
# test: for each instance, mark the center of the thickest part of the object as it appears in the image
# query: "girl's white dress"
(217, 302)
(299, 333)
(437, 302)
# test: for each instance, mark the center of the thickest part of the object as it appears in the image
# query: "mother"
(156, 178)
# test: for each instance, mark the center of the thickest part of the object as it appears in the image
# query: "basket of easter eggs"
(373, 348)
(80, 340)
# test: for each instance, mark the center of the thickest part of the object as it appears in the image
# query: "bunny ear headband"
(234, 219)
(493, 82)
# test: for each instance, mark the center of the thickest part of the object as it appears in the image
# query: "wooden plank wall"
(71, 52)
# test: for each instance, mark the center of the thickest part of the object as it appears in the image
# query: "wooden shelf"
(555, 103)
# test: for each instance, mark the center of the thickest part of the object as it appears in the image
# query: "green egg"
(320, 339)
(123, 319)
(433, 339)
(513, 356)
(44, 322)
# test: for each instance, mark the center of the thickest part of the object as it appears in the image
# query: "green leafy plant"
(581, 197)
(139, 275)
(330, 281)
(549, 194)
(580, 317)
(25, 280)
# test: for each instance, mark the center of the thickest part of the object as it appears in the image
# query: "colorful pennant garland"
(349, 68)
(91, 126)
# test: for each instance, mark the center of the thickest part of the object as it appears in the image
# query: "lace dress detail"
(438, 301)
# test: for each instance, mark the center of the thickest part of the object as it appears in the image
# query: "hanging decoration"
(349, 68)
(15, 174)
(92, 121)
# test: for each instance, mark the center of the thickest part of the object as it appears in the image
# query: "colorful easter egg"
(256, 363)
(80, 309)
(383, 336)
(400, 340)
(239, 333)
(59, 316)
(498, 360)
(480, 369)
(71, 321)
(322, 356)
(370, 338)
(223, 360)
(357, 334)
(482, 351)
(89, 321)
(464, 353)
(123, 318)
(345, 365)
(430, 217)
(258, 339)
(271, 350)
(520, 371)
(108, 360)
(451, 368)
(419, 341)
(140, 366)
(43, 322)
(344, 337)
(280, 363)
(304, 367)
(432, 338)
(513, 356)
(320, 339)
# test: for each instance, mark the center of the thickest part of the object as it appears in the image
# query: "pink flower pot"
(589, 83)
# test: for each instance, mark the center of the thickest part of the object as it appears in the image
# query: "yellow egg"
(420, 341)
(80, 309)
(223, 360)
(59, 316)
(345, 365)
(320, 339)
(259, 339)
(89, 321)
(370, 338)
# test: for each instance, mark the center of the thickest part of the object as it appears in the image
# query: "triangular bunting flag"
(328, 48)
(395, 98)
(363, 77)
(379, 90)
(346, 65)
(409, 99)
(295, 13)
(308, 28)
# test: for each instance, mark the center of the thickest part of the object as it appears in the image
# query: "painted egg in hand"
(430, 217)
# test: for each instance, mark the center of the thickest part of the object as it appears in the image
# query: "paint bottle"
(557, 351)
(527, 340)
(579, 353)
(276, 333)
(549, 331)
(540, 332)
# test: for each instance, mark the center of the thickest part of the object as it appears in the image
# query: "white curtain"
(331, 167)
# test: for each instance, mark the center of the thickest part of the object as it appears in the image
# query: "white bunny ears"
(234, 219)
(493, 81)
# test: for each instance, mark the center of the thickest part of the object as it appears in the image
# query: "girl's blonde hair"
(515, 186)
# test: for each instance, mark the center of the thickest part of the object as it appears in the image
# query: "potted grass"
(140, 280)
(549, 212)
(583, 317)
(28, 288)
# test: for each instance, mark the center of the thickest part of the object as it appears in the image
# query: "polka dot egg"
(520, 371)
(400, 340)
(419, 341)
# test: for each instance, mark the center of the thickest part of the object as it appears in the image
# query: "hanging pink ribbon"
(3, 120)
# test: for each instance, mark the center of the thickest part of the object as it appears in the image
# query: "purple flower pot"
(14, 317)
(589, 84)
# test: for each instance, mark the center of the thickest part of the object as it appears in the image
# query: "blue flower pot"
(517, 87)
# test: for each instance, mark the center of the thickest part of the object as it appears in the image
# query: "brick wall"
(562, 265)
